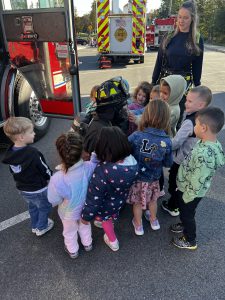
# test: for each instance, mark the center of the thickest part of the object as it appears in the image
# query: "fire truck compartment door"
(40, 45)
(121, 34)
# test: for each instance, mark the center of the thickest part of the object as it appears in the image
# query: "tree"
(220, 25)
(93, 15)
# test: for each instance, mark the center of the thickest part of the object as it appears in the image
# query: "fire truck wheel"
(142, 59)
(27, 105)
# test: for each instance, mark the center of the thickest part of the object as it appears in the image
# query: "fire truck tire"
(142, 59)
(27, 105)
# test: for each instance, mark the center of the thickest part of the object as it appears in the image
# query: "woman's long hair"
(192, 45)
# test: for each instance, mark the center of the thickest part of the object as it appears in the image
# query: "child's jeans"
(39, 208)
(71, 228)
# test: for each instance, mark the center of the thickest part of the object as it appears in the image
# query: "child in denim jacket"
(152, 149)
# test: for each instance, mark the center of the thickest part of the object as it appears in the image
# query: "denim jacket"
(152, 149)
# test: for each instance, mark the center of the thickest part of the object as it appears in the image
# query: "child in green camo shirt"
(196, 172)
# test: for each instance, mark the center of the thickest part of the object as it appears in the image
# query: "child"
(195, 173)
(141, 98)
(152, 149)
(110, 99)
(30, 172)
(172, 89)
(68, 188)
(90, 111)
(155, 93)
(183, 142)
(110, 183)
(135, 116)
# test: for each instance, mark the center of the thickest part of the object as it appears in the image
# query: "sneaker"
(155, 224)
(88, 248)
(138, 229)
(98, 223)
(182, 243)
(43, 231)
(114, 246)
(34, 230)
(177, 228)
(72, 255)
(147, 215)
(162, 193)
(173, 212)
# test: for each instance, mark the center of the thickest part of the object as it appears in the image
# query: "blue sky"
(84, 6)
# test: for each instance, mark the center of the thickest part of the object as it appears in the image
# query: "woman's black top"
(178, 60)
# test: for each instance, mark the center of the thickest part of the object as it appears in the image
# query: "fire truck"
(39, 75)
(156, 31)
(121, 34)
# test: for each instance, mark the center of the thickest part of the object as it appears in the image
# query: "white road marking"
(14, 220)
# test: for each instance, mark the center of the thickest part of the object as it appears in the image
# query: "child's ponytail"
(70, 148)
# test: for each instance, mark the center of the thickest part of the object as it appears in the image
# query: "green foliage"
(87, 23)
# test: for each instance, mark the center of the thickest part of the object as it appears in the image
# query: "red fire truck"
(39, 75)
(156, 31)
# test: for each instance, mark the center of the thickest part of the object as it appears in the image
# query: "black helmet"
(113, 92)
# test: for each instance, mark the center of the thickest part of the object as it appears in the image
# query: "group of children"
(107, 166)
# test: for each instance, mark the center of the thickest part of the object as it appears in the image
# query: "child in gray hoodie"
(172, 89)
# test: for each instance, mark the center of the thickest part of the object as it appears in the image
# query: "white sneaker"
(114, 246)
(88, 248)
(34, 230)
(98, 223)
(138, 229)
(43, 231)
(72, 255)
(162, 193)
(155, 224)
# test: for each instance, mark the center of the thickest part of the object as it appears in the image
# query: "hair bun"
(190, 4)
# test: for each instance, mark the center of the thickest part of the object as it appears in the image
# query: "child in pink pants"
(110, 182)
(67, 189)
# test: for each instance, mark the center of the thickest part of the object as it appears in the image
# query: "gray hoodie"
(178, 87)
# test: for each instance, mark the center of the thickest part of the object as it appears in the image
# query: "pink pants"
(109, 230)
(71, 229)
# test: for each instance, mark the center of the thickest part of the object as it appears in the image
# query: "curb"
(215, 48)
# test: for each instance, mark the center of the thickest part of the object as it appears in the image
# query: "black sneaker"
(182, 243)
(173, 212)
(177, 228)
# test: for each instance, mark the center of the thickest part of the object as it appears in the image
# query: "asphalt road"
(145, 267)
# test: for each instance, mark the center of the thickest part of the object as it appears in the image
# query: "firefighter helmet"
(113, 92)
